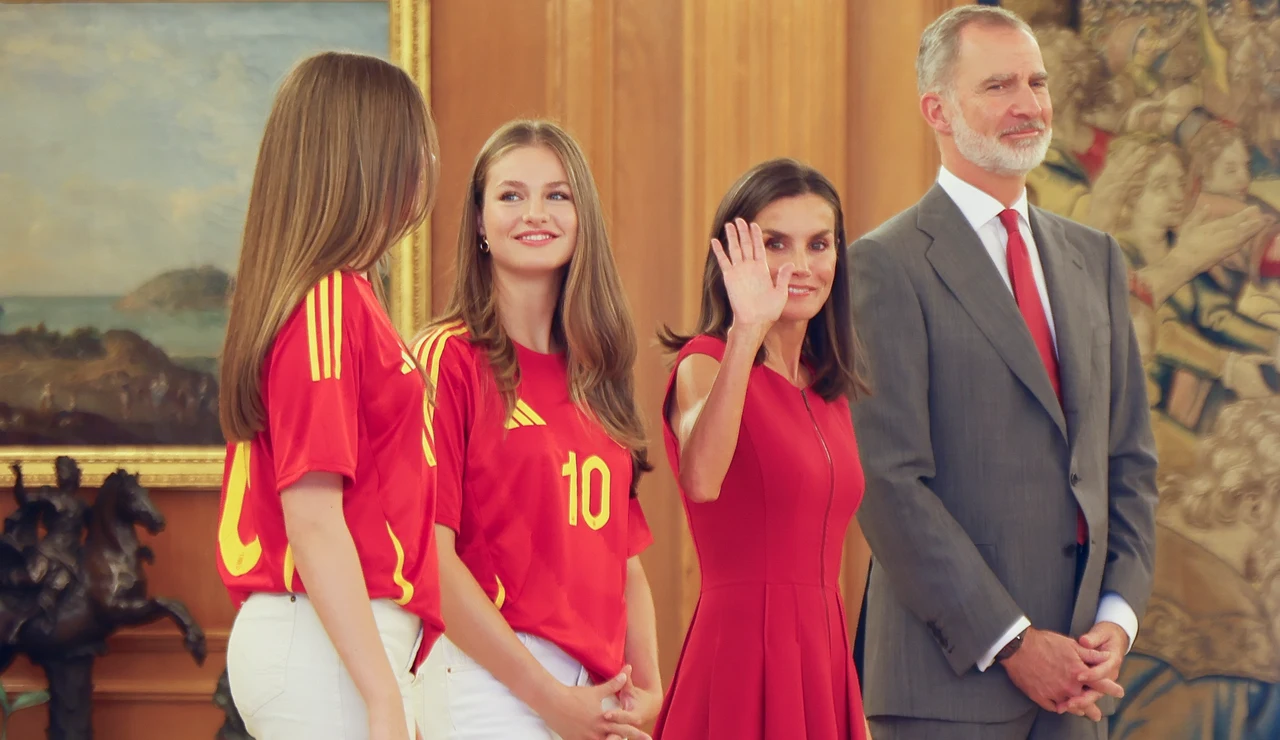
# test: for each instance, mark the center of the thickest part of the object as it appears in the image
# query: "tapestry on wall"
(1165, 134)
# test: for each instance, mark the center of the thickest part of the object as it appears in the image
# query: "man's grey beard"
(993, 155)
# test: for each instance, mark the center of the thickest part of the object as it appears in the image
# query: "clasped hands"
(1065, 675)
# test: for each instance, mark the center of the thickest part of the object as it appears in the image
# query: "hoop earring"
(484, 245)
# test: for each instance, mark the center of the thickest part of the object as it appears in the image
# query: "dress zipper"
(826, 516)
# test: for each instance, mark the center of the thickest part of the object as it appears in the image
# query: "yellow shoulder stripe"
(324, 327)
(430, 348)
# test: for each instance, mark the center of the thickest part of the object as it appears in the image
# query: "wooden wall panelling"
(488, 65)
(645, 220)
(580, 80)
(892, 156)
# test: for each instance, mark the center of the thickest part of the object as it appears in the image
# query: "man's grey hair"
(940, 42)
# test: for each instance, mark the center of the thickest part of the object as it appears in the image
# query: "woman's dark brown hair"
(831, 345)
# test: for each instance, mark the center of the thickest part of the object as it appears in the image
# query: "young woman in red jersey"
(551, 630)
(324, 537)
(759, 435)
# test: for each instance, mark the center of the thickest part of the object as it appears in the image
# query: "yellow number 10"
(580, 496)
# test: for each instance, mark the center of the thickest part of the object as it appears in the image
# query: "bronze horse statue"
(32, 566)
(60, 599)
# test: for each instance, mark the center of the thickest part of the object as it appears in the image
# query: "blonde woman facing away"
(325, 537)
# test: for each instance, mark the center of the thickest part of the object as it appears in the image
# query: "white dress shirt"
(983, 213)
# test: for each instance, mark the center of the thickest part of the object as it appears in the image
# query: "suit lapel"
(964, 265)
(1064, 280)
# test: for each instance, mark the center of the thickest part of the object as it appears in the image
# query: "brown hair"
(1236, 482)
(940, 42)
(831, 344)
(1119, 148)
(1208, 144)
(347, 167)
(1082, 68)
(592, 320)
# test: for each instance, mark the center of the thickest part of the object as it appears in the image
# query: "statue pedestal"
(70, 697)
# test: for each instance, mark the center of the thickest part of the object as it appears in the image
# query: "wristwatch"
(1010, 648)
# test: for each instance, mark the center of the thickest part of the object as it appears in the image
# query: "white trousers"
(287, 680)
(458, 700)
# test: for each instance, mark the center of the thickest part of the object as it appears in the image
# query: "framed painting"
(128, 140)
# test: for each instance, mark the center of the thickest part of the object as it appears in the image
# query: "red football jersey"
(342, 395)
(540, 499)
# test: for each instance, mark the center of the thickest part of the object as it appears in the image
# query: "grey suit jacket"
(974, 470)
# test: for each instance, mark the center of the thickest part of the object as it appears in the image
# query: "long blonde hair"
(592, 320)
(348, 166)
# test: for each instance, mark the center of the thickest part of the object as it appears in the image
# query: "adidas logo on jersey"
(523, 415)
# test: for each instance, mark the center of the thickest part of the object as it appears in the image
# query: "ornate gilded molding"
(410, 24)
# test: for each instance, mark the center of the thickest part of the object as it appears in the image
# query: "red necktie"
(1027, 295)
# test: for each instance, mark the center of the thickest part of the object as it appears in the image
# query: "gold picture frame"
(201, 467)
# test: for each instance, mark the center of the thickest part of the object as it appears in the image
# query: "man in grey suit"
(1010, 465)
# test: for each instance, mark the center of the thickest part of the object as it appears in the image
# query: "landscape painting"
(128, 138)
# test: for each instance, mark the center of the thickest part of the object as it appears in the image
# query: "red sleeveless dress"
(767, 655)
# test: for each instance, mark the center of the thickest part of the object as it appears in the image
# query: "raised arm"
(706, 412)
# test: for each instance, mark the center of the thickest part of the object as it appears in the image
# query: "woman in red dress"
(759, 436)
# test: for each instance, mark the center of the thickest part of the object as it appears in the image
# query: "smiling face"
(998, 106)
(801, 230)
(528, 214)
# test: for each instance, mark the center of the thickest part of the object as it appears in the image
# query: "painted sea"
(190, 338)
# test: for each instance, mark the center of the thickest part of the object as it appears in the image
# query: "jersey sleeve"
(638, 535)
(443, 356)
(312, 384)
